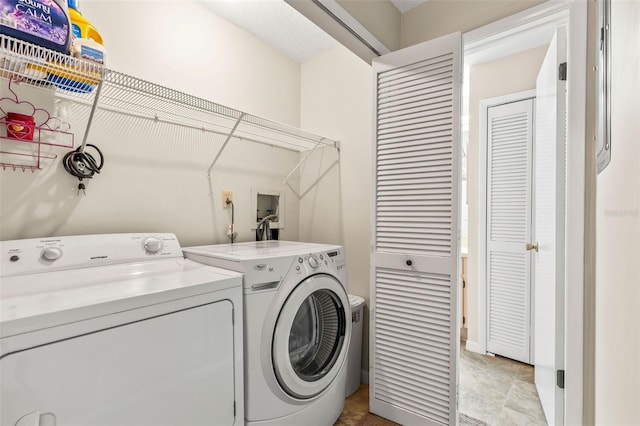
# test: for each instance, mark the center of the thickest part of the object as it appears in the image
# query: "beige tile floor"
(493, 391)
(498, 391)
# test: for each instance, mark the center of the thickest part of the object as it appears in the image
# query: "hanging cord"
(233, 226)
(83, 165)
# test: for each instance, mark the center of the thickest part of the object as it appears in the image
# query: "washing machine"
(297, 328)
(117, 329)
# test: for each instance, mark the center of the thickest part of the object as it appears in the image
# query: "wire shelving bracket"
(93, 84)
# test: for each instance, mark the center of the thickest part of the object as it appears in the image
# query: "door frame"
(520, 32)
(482, 216)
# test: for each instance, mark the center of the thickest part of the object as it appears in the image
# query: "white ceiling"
(277, 24)
(404, 5)
(281, 26)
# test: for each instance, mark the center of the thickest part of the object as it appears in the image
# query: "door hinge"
(234, 408)
(233, 318)
(464, 284)
(560, 378)
(464, 320)
(562, 71)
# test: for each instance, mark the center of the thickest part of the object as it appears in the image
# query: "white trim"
(482, 209)
(523, 27)
(505, 99)
(474, 347)
(574, 248)
(573, 14)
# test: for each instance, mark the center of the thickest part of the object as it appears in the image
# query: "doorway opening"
(505, 126)
(502, 68)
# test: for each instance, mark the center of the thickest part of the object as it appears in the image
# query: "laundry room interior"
(280, 127)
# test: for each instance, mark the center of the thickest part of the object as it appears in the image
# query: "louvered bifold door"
(414, 279)
(509, 168)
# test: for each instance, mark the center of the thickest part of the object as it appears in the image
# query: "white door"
(509, 169)
(415, 250)
(550, 229)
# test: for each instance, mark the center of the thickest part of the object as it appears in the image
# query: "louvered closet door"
(510, 142)
(414, 330)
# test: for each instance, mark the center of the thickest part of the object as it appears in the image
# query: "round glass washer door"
(309, 338)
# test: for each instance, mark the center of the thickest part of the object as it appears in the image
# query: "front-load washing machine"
(117, 329)
(297, 328)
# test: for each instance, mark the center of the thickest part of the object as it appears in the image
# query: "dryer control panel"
(37, 255)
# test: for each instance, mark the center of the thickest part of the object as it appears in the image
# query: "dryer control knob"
(51, 253)
(314, 262)
(153, 245)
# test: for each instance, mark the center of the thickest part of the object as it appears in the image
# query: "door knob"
(532, 246)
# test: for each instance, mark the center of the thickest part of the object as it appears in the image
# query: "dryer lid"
(35, 301)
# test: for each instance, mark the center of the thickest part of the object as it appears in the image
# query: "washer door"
(309, 338)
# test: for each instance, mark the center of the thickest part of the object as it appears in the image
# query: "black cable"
(83, 165)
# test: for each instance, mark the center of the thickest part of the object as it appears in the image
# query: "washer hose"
(83, 165)
(263, 230)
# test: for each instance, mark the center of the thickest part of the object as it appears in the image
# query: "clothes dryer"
(117, 329)
(297, 328)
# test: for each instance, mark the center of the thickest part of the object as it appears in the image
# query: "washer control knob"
(50, 254)
(153, 245)
(314, 262)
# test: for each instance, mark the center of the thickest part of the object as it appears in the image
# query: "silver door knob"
(532, 246)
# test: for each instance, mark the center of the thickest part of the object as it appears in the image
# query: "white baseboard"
(364, 376)
(472, 346)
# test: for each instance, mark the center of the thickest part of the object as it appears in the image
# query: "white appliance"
(297, 328)
(117, 330)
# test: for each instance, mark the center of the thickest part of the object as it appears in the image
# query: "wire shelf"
(129, 95)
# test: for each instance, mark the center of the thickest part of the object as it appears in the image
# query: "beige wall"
(337, 101)
(504, 76)
(155, 175)
(436, 18)
(618, 232)
(380, 17)
(185, 46)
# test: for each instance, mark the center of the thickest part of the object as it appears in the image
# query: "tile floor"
(493, 391)
(356, 411)
(498, 391)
